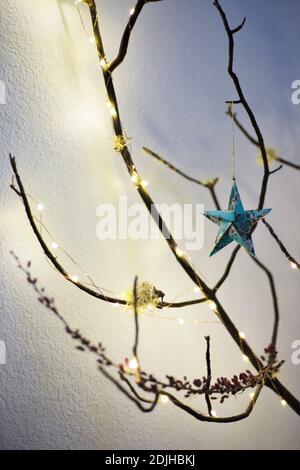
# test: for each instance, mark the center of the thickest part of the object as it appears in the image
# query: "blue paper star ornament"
(235, 224)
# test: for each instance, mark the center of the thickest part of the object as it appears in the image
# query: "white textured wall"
(171, 90)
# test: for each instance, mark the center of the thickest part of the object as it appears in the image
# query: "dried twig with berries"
(134, 377)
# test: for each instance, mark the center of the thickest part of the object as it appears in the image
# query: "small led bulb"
(181, 321)
(135, 177)
(293, 265)
(179, 252)
(74, 278)
(246, 358)
(164, 399)
(242, 335)
(113, 111)
(132, 11)
(196, 289)
(251, 395)
(213, 413)
(283, 402)
(133, 363)
(212, 305)
(40, 207)
(54, 245)
(144, 183)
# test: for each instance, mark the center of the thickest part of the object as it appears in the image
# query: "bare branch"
(276, 169)
(53, 259)
(126, 35)
(255, 142)
(209, 183)
(284, 250)
(134, 399)
(205, 183)
(21, 192)
(245, 104)
(228, 268)
(208, 380)
(239, 27)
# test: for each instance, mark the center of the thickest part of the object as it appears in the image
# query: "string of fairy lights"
(139, 182)
(121, 141)
(74, 277)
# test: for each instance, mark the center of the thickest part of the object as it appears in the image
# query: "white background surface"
(171, 90)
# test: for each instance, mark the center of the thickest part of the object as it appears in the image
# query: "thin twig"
(284, 250)
(136, 321)
(244, 102)
(132, 398)
(255, 142)
(209, 183)
(228, 268)
(208, 379)
(205, 183)
(126, 35)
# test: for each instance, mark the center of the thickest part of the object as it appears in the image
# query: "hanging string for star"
(233, 147)
(235, 224)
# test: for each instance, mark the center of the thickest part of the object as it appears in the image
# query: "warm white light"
(251, 395)
(212, 305)
(179, 252)
(113, 111)
(54, 245)
(144, 183)
(134, 177)
(213, 413)
(132, 11)
(74, 278)
(164, 399)
(181, 321)
(40, 207)
(293, 265)
(242, 335)
(103, 62)
(283, 402)
(196, 289)
(116, 304)
(92, 40)
(133, 363)
(246, 358)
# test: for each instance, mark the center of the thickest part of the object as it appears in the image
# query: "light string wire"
(103, 290)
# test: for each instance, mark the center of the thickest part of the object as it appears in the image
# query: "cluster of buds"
(147, 297)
